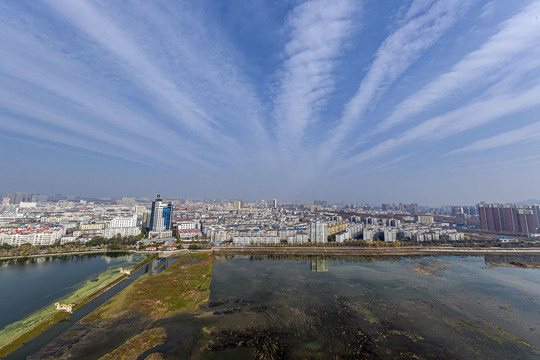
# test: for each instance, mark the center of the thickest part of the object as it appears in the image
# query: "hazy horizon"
(435, 102)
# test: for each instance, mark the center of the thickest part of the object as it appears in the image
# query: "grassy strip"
(32, 333)
(52, 316)
(184, 286)
(154, 356)
(137, 345)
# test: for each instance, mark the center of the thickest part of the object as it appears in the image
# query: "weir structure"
(63, 307)
(125, 271)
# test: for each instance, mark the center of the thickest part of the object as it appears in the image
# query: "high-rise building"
(413, 208)
(536, 212)
(17, 198)
(161, 215)
(318, 232)
(275, 203)
(507, 217)
(237, 205)
(39, 198)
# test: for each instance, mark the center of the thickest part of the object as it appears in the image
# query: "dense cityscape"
(42, 220)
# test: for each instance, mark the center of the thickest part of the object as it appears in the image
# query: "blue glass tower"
(161, 215)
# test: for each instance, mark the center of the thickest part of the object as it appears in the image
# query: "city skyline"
(429, 101)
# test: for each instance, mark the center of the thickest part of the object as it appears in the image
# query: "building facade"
(161, 215)
(318, 232)
(507, 217)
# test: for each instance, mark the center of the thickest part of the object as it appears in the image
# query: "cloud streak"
(318, 32)
(102, 30)
(516, 36)
(423, 25)
(526, 133)
(454, 122)
(272, 98)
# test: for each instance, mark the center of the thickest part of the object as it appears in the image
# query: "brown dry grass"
(184, 286)
(137, 345)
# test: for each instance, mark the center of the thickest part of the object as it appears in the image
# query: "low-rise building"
(46, 235)
(255, 240)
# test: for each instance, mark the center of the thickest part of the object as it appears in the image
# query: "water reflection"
(367, 307)
(156, 266)
(318, 264)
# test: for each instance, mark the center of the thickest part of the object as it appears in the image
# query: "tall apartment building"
(536, 212)
(17, 198)
(237, 205)
(39, 198)
(423, 219)
(507, 217)
(318, 232)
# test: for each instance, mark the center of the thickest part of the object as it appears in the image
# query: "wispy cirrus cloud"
(512, 51)
(131, 103)
(516, 36)
(526, 133)
(462, 119)
(105, 32)
(423, 24)
(206, 64)
(318, 32)
(525, 161)
(62, 91)
(222, 96)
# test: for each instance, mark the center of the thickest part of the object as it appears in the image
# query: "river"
(31, 286)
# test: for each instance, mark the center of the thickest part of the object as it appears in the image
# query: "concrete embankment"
(369, 251)
(90, 252)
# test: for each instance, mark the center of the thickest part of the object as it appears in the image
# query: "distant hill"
(529, 202)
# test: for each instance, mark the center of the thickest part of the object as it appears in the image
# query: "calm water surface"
(28, 285)
(426, 307)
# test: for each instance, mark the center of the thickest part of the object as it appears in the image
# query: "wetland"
(318, 307)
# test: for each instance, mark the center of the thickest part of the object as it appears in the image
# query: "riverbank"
(90, 252)
(130, 323)
(248, 250)
(82, 296)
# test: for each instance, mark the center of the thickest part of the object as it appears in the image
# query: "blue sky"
(429, 101)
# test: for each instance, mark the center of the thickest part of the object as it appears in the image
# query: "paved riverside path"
(286, 250)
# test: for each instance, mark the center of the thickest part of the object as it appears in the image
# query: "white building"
(318, 232)
(123, 231)
(185, 225)
(67, 239)
(297, 239)
(27, 205)
(123, 222)
(389, 235)
(46, 235)
(368, 234)
(342, 237)
(255, 240)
